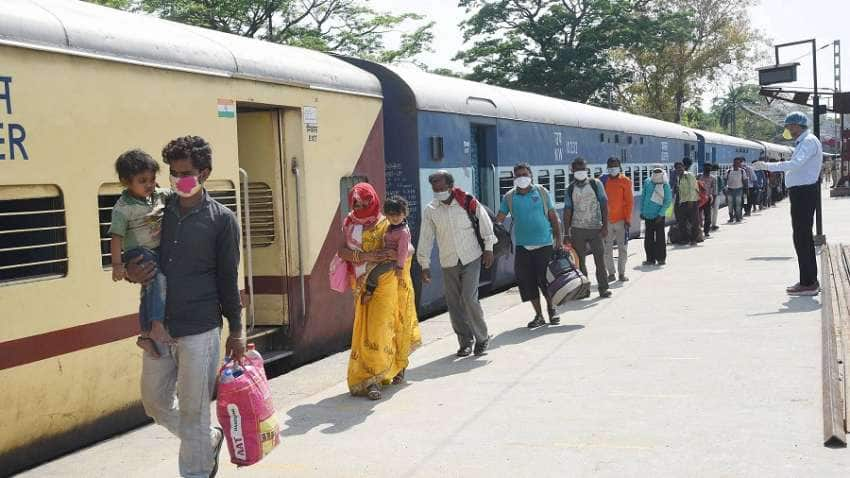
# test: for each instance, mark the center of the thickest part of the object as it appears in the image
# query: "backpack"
(593, 186)
(544, 196)
(564, 280)
(504, 244)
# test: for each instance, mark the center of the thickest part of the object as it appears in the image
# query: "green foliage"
(560, 48)
(346, 27)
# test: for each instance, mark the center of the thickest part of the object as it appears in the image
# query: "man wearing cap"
(801, 179)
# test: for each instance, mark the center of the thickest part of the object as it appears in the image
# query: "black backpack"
(505, 244)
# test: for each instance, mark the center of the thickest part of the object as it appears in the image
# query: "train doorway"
(484, 161)
(260, 143)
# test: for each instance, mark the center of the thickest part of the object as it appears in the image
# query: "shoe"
(481, 347)
(804, 290)
(714, 228)
(611, 277)
(537, 322)
(554, 320)
(661, 263)
(216, 452)
(624, 279)
(649, 263)
(605, 294)
(707, 235)
(373, 392)
(792, 287)
(464, 351)
(692, 243)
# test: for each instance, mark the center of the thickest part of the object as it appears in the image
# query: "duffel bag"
(565, 281)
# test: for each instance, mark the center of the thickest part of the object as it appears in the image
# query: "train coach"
(79, 84)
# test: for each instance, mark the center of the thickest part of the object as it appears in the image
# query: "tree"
(726, 107)
(559, 48)
(687, 44)
(346, 27)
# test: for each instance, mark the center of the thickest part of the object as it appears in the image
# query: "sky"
(781, 21)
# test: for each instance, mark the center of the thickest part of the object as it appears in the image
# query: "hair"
(740, 158)
(523, 165)
(395, 205)
(193, 148)
(442, 174)
(614, 159)
(579, 162)
(706, 169)
(134, 162)
(678, 163)
(687, 162)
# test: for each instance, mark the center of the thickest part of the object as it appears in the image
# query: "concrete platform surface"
(701, 368)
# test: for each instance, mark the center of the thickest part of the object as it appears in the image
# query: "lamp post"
(820, 239)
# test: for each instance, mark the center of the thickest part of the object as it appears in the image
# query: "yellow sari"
(386, 329)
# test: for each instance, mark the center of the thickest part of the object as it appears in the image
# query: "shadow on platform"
(794, 305)
(771, 258)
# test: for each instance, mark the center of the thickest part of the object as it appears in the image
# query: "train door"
(263, 212)
(701, 156)
(485, 180)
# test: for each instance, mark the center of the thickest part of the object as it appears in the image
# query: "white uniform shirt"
(805, 164)
(451, 226)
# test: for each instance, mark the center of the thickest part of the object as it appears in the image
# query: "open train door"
(263, 225)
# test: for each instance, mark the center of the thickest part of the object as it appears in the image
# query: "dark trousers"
(581, 238)
(706, 217)
(530, 268)
(803, 202)
(654, 242)
(689, 220)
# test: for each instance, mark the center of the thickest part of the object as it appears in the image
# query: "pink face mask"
(187, 186)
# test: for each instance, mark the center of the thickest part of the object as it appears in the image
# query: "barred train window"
(543, 179)
(261, 200)
(560, 185)
(506, 182)
(636, 178)
(222, 191)
(32, 233)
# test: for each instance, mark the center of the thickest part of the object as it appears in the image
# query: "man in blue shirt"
(801, 179)
(537, 233)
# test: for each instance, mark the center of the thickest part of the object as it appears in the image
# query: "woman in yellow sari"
(386, 329)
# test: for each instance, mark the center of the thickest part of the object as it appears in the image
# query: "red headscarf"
(371, 214)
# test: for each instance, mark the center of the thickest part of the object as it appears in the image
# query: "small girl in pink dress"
(397, 238)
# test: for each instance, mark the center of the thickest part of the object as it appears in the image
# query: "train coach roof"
(454, 95)
(717, 138)
(84, 29)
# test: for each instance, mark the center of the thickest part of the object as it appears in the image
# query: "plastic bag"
(246, 414)
(338, 274)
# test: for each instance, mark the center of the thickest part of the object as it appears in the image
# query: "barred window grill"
(32, 233)
(222, 191)
(560, 185)
(543, 179)
(506, 182)
(261, 200)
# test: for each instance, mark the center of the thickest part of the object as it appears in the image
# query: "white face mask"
(580, 175)
(187, 186)
(442, 196)
(614, 171)
(522, 182)
(657, 178)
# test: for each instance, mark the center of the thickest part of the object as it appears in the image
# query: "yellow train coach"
(291, 129)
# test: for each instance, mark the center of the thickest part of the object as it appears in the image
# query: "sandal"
(399, 378)
(373, 392)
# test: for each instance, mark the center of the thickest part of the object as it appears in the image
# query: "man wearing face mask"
(801, 178)
(687, 199)
(447, 220)
(618, 189)
(538, 235)
(586, 221)
(200, 259)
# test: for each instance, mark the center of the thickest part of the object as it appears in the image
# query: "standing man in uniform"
(446, 219)
(538, 234)
(586, 221)
(801, 179)
(200, 260)
(618, 189)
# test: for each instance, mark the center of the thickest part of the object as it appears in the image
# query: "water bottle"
(255, 359)
(226, 375)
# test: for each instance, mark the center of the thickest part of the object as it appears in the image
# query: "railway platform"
(704, 367)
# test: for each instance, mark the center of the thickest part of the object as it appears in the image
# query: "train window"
(601, 137)
(543, 179)
(629, 140)
(32, 233)
(636, 178)
(644, 174)
(506, 182)
(597, 172)
(616, 138)
(261, 202)
(222, 191)
(560, 185)
(641, 140)
(345, 185)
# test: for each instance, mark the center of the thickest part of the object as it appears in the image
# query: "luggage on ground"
(566, 282)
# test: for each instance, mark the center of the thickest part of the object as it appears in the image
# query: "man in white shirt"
(801, 178)
(447, 218)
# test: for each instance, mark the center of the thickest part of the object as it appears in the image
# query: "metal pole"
(820, 239)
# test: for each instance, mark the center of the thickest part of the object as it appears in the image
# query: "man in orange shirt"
(618, 188)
